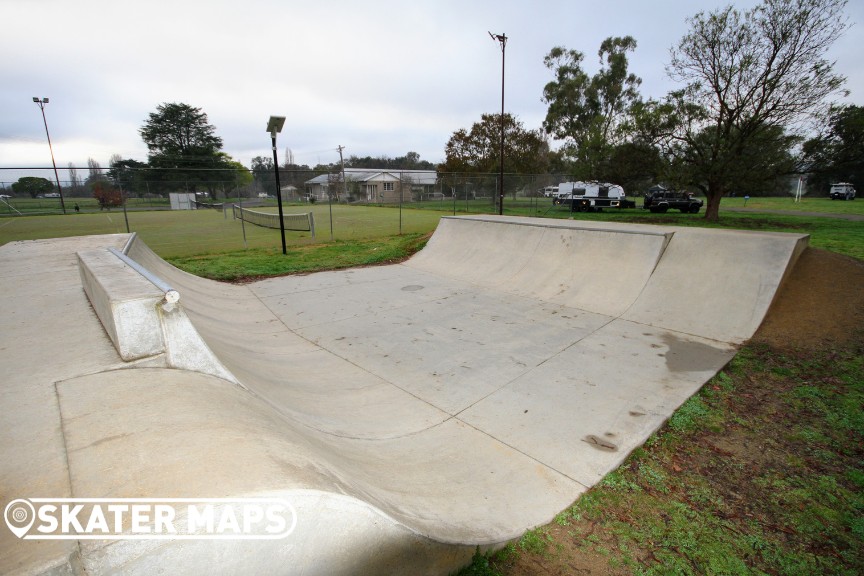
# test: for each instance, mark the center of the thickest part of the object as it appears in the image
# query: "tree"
(184, 151)
(752, 169)
(751, 78)
(477, 150)
(94, 172)
(128, 174)
(107, 195)
(589, 113)
(75, 186)
(263, 174)
(32, 185)
(635, 165)
(411, 161)
(837, 154)
(240, 177)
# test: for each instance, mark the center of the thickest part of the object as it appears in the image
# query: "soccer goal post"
(303, 222)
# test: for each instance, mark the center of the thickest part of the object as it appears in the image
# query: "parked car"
(663, 200)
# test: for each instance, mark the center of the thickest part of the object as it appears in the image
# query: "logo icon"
(19, 515)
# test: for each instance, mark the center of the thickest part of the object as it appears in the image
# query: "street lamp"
(502, 38)
(41, 103)
(274, 126)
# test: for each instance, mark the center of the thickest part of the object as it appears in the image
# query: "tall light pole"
(274, 126)
(502, 38)
(41, 103)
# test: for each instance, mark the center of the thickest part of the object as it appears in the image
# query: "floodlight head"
(275, 124)
(45, 100)
(35, 99)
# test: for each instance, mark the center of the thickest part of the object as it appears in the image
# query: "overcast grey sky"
(381, 77)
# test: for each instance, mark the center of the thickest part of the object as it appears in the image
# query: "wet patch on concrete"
(691, 356)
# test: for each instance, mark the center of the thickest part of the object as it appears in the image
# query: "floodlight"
(502, 38)
(274, 126)
(41, 103)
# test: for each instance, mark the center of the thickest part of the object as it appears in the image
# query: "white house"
(374, 185)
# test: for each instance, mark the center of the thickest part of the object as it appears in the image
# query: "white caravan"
(842, 191)
(590, 196)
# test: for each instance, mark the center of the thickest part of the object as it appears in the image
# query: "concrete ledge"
(141, 314)
(125, 302)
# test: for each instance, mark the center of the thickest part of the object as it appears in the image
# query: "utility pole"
(344, 189)
(344, 183)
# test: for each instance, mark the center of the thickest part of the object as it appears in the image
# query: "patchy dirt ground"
(820, 306)
(821, 302)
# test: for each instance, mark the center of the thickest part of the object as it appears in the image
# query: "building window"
(388, 186)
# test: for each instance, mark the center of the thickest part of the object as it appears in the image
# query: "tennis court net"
(303, 222)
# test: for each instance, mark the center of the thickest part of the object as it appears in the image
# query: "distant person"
(77, 208)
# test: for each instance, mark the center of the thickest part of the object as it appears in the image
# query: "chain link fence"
(35, 190)
(368, 205)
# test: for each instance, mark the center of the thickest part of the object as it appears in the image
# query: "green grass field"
(807, 204)
(187, 233)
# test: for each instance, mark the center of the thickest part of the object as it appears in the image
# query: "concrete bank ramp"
(408, 412)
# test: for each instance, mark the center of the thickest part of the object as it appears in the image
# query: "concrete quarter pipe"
(408, 412)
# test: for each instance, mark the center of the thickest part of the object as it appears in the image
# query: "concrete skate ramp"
(410, 412)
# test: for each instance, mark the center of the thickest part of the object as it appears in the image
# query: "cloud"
(381, 78)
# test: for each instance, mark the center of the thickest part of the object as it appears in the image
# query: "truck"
(591, 196)
(842, 191)
(662, 200)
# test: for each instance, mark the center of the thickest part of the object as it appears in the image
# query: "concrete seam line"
(73, 563)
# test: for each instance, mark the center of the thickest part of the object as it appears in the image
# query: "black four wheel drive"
(666, 199)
